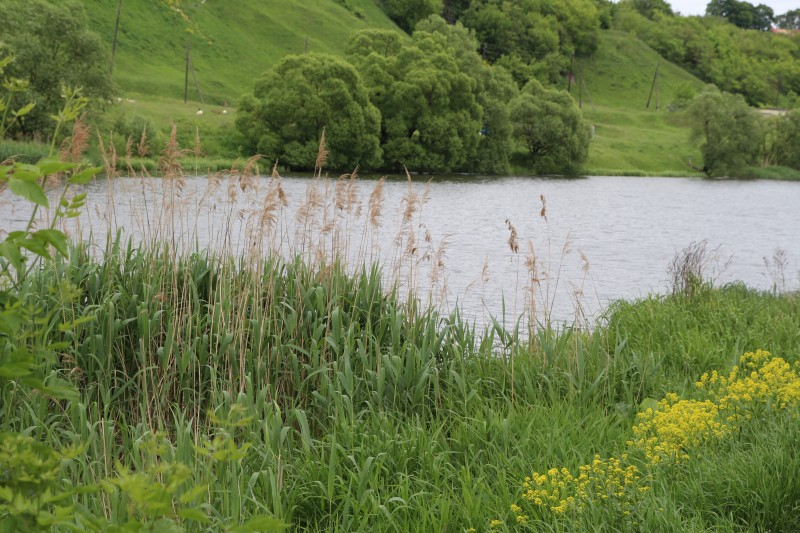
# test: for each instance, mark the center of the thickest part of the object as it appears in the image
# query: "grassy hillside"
(628, 137)
(231, 41)
(233, 45)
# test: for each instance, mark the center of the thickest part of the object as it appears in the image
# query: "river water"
(599, 238)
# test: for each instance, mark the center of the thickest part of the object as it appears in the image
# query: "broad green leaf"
(262, 523)
(30, 190)
(37, 246)
(85, 175)
(24, 111)
(194, 493)
(54, 166)
(55, 238)
(193, 514)
(11, 252)
(69, 326)
(60, 389)
(15, 369)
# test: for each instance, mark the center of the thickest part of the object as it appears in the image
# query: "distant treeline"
(730, 47)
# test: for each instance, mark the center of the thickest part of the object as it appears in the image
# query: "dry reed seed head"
(169, 162)
(411, 202)
(78, 142)
(531, 260)
(143, 147)
(513, 242)
(322, 154)
(543, 212)
(128, 151)
(586, 264)
(376, 203)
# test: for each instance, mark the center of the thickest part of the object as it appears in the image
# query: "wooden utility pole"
(114, 42)
(586, 88)
(186, 77)
(653, 86)
(196, 83)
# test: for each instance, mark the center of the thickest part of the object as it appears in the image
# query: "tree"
(742, 14)
(727, 129)
(789, 20)
(552, 128)
(297, 99)
(52, 47)
(431, 118)
(541, 33)
(787, 140)
(493, 91)
(406, 13)
(649, 8)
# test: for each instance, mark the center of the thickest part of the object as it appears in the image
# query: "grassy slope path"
(232, 41)
(628, 138)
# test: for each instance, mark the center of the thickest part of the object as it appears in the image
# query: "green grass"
(630, 139)
(23, 152)
(231, 45)
(770, 173)
(365, 414)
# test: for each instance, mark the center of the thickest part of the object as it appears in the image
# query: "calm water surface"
(603, 238)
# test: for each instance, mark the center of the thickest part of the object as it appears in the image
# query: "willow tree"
(297, 99)
(431, 115)
(728, 131)
(552, 128)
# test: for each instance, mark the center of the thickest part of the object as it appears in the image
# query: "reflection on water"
(600, 239)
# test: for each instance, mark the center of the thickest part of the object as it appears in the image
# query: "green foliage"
(431, 118)
(728, 132)
(494, 90)
(406, 13)
(786, 143)
(543, 34)
(789, 20)
(52, 48)
(651, 8)
(9, 87)
(742, 14)
(550, 125)
(302, 97)
(33, 495)
(758, 65)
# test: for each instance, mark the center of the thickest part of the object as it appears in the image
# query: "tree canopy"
(431, 116)
(299, 97)
(541, 33)
(406, 13)
(727, 129)
(552, 128)
(742, 14)
(52, 47)
(759, 65)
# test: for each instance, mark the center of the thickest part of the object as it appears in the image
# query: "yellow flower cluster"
(758, 381)
(676, 427)
(667, 433)
(603, 480)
